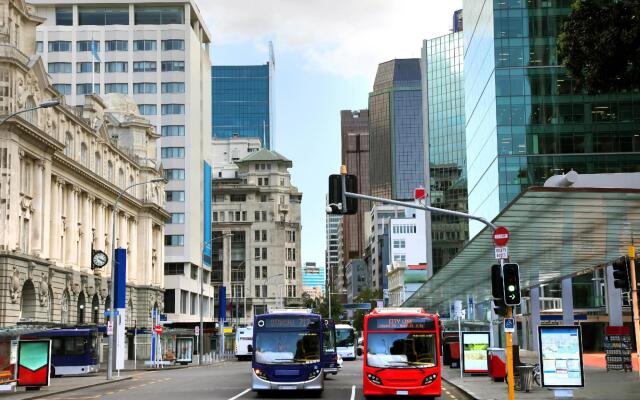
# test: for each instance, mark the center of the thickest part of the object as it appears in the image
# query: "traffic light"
(336, 205)
(499, 307)
(621, 274)
(511, 280)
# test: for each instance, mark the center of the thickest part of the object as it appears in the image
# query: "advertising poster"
(34, 361)
(474, 352)
(561, 356)
(184, 349)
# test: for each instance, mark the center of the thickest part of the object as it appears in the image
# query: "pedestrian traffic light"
(338, 203)
(621, 274)
(511, 283)
(499, 307)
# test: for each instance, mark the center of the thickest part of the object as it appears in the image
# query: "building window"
(84, 154)
(177, 218)
(144, 66)
(184, 302)
(169, 301)
(64, 16)
(121, 88)
(175, 174)
(85, 88)
(103, 16)
(150, 15)
(57, 46)
(172, 152)
(399, 257)
(144, 87)
(148, 109)
(399, 244)
(39, 46)
(291, 272)
(85, 45)
(110, 171)
(194, 271)
(120, 177)
(172, 130)
(175, 195)
(168, 66)
(84, 67)
(59, 68)
(116, 66)
(173, 268)
(172, 44)
(174, 240)
(237, 197)
(173, 87)
(261, 290)
(172, 109)
(98, 163)
(144, 45)
(63, 88)
(291, 291)
(194, 302)
(116, 45)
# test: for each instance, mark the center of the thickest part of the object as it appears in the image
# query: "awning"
(554, 233)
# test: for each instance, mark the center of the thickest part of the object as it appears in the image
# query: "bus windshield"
(401, 350)
(287, 347)
(345, 337)
(329, 340)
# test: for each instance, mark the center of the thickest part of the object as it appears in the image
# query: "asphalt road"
(227, 381)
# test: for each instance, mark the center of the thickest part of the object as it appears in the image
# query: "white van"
(244, 343)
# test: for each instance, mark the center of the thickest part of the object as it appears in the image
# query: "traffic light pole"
(634, 299)
(509, 345)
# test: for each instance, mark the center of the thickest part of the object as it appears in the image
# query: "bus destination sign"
(401, 323)
(290, 322)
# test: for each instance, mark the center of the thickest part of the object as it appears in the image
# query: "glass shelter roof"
(554, 233)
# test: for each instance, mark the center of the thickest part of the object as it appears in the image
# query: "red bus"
(402, 353)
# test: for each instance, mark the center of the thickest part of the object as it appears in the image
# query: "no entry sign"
(158, 329)
(501, 236)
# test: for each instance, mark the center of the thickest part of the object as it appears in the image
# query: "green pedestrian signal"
(511, 284)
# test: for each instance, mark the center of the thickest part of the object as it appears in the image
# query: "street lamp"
(113, 268)
(243, 262)
(45, 104)
(266, 281)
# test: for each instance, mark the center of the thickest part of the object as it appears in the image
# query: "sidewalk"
(599, 384)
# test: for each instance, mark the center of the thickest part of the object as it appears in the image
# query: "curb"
(466, 392)
(41, 396)
(168, 368)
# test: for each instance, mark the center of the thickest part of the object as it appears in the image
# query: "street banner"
(561, 356)
(474, 352)
(34, 362)
(184, 350)
(120, 335)
(222, 301)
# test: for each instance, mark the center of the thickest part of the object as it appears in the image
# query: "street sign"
(197, 331)
(158, 329)
(357, 306)
(107, 313)
(509, 325)
(163, 317)
(109, 328)
(501, 236)
(502, 253)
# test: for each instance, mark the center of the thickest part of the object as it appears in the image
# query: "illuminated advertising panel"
(561, 356)
(474, 352)
(34, 362)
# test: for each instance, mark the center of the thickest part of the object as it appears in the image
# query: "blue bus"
(286, 352)
(329, 354)
(73, 351)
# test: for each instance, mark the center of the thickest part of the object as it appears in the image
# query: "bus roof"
(344, 326)
(290, 311)
(399, 310)
(64, 332)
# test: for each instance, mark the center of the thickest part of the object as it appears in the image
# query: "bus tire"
(317, 393)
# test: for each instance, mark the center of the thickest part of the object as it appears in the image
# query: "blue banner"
(222, 301)
(206, 239)
(121, 278)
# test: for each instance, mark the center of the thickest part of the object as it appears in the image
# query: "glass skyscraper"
(443, 91)
(525, 118)
(242, 101)
(396, 150)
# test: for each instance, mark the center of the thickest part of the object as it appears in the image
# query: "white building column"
(134, 263)
(99, 226)
(87, 232)
(47, 210)
(56, 220)
(71, 227)
(567, 301)
(535, 317)
(38, 206)
(614, 300)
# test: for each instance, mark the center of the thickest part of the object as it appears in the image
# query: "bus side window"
(56, 347)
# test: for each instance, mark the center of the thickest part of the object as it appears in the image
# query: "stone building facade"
(61, 170)
(256, 215)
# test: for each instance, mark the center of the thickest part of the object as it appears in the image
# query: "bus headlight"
(260, 373)
(313, 374)
(374, 379)
(429, 379)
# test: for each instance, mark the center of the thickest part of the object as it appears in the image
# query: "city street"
(228, 381)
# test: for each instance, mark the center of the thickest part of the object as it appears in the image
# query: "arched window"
(131, 180)
(51, 303)
(107, 306)
(81, 308)
(120, 177)
(110, 171)
(68, 145)
(64, 308)
(31, 116)
(28, 302)
(95, 309)
(98, 163)
(84, 154)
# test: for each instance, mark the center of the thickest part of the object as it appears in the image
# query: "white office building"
(158, 53)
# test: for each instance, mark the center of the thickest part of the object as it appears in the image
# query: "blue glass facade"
(241, 102)
(396, 150)
(443, 84)
(314, 276)
(525, 118)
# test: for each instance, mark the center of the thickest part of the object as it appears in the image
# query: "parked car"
(360, 348)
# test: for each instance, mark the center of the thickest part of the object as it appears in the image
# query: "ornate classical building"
(61, 170)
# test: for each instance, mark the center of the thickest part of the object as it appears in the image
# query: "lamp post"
(243, 262)
(44, 104)
(266, 281)
(113, 268)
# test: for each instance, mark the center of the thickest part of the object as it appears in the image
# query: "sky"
(327, 53)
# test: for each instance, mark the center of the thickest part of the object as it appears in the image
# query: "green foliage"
(322, 308)
(366, 296)
(599, 44)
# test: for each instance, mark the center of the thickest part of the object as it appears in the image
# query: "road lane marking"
(240, 394)
(353, 392)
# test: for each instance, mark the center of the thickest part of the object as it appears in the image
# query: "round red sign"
(501, 236)
(158, 329)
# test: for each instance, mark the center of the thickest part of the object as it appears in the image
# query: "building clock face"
(99, 259)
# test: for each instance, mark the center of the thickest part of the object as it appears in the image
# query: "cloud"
(343, 37)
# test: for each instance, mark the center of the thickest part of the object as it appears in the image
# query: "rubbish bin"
(497, 363)
(454, 348)
(526, 377)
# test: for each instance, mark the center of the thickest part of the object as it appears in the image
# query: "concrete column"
(47, 210)
(70, 227)
(535, 317)
(87, 232)
(614, 300)
(54, 240)
(38, 206)
(567, 301)
(134, 263)
(524, 340)
(99, 227)
(13, 193)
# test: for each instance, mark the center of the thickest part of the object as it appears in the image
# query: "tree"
(336, 307)
(366, 296)
(599, 44)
